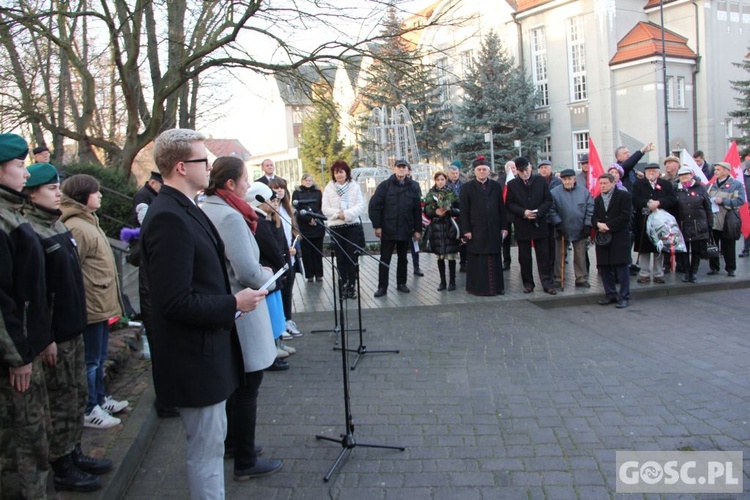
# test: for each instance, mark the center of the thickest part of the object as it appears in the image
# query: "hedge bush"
(115, 210)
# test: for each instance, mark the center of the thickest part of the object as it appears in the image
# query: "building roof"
(227, 147)
(524, 5)
(644, 41)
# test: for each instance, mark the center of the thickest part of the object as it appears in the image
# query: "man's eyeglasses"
(198, 160)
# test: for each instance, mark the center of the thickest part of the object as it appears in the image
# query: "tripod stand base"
(348, 442)
(362, 350)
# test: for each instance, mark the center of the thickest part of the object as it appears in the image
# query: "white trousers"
(205, 429)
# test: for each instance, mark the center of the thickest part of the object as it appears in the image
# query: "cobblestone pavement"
(494, 399)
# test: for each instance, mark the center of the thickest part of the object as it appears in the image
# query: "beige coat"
(97, 262)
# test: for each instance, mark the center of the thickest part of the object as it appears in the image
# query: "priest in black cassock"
(483, 226)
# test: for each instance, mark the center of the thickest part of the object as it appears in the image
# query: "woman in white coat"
(235, 221)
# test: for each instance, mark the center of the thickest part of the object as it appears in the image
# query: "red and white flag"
(595, 170)
(686, 160)
(733, 158)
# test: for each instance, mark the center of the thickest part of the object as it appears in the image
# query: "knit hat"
(259, 193)
(616, 167)
(12, 146)
(457, 163)
(41, 174)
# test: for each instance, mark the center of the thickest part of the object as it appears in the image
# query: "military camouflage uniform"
(25, 331)
(66, 381)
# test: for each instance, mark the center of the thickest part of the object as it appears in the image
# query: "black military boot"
(441, 270)
(452, 275)
(90, 464)
(68, 477)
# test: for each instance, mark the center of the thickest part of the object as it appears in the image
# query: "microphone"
(260, 198)
(312, 214)
(295, 203)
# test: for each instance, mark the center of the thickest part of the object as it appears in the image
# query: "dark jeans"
(691, 259)
(728, 251)
(607, 277)
(312, 257)
(386, 252)
(346, 261)
(541, 249)
(96, 343)
(286, 293)
(242, 408)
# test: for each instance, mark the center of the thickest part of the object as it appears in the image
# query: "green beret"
(41, 174)
(12, 146)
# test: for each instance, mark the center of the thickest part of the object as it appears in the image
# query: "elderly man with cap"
(25, 334)
(727, 194)
(671, 166)
(396, 214)
(41, 154)
(649, 195)
(483, 226)
(65, 370)
(571, 211)
(582, 177)
(528, 199)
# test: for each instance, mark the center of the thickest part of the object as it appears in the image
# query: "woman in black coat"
(440, 206)
(695, 217)
(308, 197)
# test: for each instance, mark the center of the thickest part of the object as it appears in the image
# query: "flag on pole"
(733, 158)
(686, 160)
(595, 169)
(509, 176)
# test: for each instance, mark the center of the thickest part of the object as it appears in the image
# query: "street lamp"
(664, 76)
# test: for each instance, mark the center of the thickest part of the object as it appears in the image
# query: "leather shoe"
(744, 253)
(528, 289)
(90, 464)
(551, 291)
(380, 292)
(403, 288)
(451, 286)
(417, 272)
(659, 279)
(622, 304)
(731, 274)
(279, 365)
(713, 272)
(607, 301)
(262, 468)
(644, 279)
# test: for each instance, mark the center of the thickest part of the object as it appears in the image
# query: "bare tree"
(112, 74)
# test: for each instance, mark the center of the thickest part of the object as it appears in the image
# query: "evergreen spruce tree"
(742, 113)
(398, 76)
(319, 136)
(497, 95)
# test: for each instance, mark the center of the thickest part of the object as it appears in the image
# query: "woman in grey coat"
(235, 221)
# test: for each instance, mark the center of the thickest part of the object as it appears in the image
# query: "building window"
(467, 63)
(443, 79)
(577, 59)
(675, 92)
(580, 145)
(545, 153)
(539, 68)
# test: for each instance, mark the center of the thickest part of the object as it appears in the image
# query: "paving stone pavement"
(494, 400)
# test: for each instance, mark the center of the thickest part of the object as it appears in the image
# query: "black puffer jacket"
(65, 292)
(309, 199)
(694, 212)
(444, 236)
(396, 209)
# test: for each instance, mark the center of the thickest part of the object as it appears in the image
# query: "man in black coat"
(269, 172)
(529, 200)
(612, 214)
(628, 162)
(396, 214)
(146, 194)
(649, 194)
(483, 226)
(195, 351)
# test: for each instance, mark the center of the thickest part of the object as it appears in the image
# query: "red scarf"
(241, 206)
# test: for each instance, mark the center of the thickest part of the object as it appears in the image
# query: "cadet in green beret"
(65, 370)
(24, 334)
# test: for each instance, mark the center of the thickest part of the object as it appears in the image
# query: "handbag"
(424, 241)
(732, 225)
(712, 250)
(602, 239)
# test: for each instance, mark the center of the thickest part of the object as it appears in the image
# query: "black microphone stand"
(361, 349)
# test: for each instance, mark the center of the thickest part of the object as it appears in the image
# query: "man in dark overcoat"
(194, 346)
(650, 194)
(396, 214)
(529, 200)
(612, 211)
(483, 227)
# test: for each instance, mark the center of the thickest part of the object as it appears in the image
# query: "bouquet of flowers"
(443, 198)
(664, 233)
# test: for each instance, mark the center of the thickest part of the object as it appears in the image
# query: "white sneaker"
(100, 419)
(286, 348)
(281, 353)
(291, 327)
(113, 406)
(286, 336)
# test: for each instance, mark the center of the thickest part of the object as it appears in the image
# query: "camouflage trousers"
(24, 461)
(67, 392)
